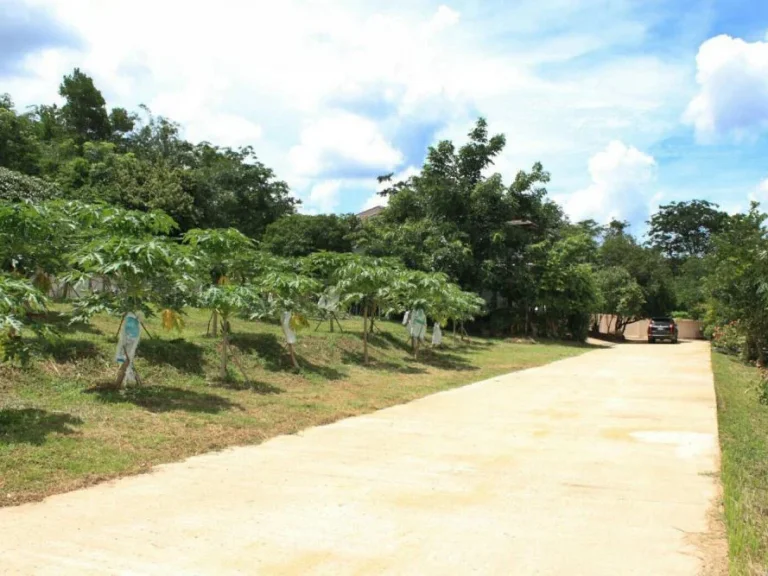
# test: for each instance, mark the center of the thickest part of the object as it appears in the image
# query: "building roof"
(521, 223)
(370, 213)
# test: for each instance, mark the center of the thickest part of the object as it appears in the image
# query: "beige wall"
(686, 329)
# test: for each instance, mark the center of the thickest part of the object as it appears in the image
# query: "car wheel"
(651, 340)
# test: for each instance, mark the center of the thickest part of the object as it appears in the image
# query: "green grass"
(61, 428)
(743, 425)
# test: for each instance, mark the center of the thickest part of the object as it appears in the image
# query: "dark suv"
(662, 328)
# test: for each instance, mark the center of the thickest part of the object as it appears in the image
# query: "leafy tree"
(323, 265)
(432, 293)
(737, 284)
(34, 240)
(102, 174)
(137, 162)
(223, 256)
(122, 122)
(365, 281)
(85, 111)
(19, 301)
(15, 187)
(566, 292)
(139, 271)
(301, 234)
(689, 287)
(620, 296)
(292, 294)
(228, 300)
(461, 307)
(685, 229)
(474, 227)
(228, 188)
(645, 265)
(19, 146)
(420, 244)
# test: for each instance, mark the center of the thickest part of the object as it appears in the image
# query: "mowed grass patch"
(743, 424)
(61, 428)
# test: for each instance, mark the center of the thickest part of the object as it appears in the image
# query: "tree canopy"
(85, 151)
(120, 195)
(685, 229)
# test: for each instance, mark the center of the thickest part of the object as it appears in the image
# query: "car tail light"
(649, 327)
(672, 327)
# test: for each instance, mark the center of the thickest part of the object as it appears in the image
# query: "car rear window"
(666, 319)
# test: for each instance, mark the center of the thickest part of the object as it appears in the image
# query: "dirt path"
(600, 464)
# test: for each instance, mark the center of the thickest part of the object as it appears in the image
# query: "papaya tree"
(138, 272)
(290, 298)
(34, 240)
(223, 256)
(19, 302)
(322, 266)
(462, 307)
(424, 294)
(366, 282)
(227, 301)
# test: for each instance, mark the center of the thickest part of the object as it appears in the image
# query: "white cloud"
(375, 200)
(322, 198)
(443, 18)
(759, 194)
(733, 89)
(275, 74)
(622, 186)
(342, 141)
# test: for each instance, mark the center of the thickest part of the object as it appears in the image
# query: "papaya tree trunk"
(365, 334)
(293, 356)
(122, 372)
(122, 320)
(215, 322)
(224, 350)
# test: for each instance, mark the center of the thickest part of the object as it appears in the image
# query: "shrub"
(16, 187)
(729, 338)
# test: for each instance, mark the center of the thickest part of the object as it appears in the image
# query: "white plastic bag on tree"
(285, 322)
(406, 317)
(437, 334)
(127, 343)
(329, 302)
(418, 324)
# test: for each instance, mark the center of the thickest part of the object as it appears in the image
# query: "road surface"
(601, 464)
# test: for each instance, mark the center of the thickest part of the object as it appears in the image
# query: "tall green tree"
(685, 229)
(737, 282)
(85, 110)
(19, 146)
(297, 235)
(476, 228)
(645, 265)
(620, 296)
(365, 282)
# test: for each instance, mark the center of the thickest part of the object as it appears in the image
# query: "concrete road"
(600, 464)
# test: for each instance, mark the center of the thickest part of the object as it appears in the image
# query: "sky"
(628, 103)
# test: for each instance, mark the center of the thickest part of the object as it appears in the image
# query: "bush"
(682, 315)
(762, 387)
(16, 187)
(729, 338)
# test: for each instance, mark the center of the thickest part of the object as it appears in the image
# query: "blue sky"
(627, 103)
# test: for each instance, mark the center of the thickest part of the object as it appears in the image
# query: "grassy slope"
(60, 430)
(744, 439)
